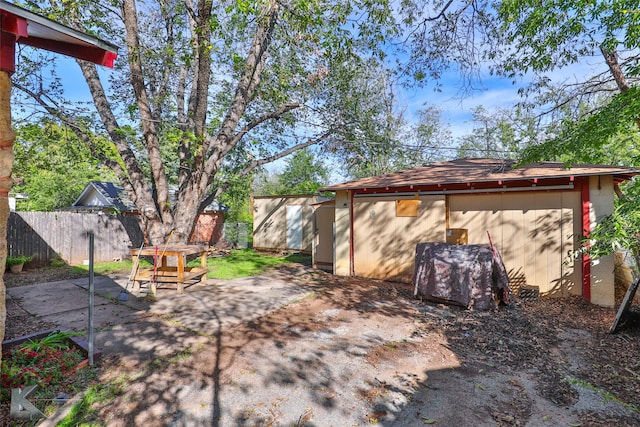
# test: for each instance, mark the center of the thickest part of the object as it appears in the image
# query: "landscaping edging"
(74, 341)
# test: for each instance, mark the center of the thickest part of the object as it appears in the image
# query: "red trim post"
(586, 230)
(352, 269)
(11, 28)
(7, 52)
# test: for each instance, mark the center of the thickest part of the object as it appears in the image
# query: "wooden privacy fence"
(65, 235)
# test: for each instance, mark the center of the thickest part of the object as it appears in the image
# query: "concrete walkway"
(140, 328)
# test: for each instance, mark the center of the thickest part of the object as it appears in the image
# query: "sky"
(493, 93)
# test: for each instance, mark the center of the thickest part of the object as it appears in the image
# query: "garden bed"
(74, 342)
(53, 360)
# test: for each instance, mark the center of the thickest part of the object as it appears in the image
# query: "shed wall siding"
(533, 232)
(602, 275)
(270, 222)
(343, 234)
(385, 243)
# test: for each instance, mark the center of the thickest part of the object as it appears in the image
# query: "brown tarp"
(472, 276)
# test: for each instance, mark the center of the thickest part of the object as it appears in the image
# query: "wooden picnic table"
(163, 272)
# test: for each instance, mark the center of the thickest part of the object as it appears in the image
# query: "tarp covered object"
(466, 275)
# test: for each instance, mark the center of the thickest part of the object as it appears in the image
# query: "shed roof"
(472, 171)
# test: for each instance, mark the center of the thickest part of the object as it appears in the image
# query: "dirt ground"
(360, 352)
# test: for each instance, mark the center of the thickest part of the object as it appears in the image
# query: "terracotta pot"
(16, 268)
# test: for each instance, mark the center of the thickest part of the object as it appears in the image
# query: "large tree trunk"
(7, 137)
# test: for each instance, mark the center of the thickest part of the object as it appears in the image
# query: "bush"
(15, 260)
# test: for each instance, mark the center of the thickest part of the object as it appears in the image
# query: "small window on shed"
(407, 207)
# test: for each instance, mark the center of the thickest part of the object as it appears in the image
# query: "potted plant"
(15, 263)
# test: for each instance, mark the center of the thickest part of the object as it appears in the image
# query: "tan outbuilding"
(284, 223)
(533, 214)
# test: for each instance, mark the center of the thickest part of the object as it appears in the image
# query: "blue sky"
(493, 93)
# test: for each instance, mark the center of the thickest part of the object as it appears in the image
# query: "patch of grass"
(239, 263)
(391, 345)
(299, 258)
(113, 267)
(607, 397)
(85, 412)
(244, 263)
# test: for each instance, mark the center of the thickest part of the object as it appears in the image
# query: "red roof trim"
(13, 24)
(482, 172)
(87, 53)
(25, 27)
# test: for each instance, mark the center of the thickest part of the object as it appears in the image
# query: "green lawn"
(239, 263)
(245, 263)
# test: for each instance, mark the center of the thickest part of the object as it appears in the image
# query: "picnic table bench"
(162, 272)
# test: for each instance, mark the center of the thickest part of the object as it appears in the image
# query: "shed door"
(294, 227)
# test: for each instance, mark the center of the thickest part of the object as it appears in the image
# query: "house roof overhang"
(477, 175)
(18, 25)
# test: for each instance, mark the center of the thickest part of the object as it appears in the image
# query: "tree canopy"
(52, 168)
(199, 83)
(303, 173)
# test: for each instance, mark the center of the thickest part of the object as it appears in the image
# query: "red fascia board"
(473, 186)
(13, 24)
(87, 53)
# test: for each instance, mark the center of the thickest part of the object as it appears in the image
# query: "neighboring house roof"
(109, 195)
(490, 172)
(99, 194)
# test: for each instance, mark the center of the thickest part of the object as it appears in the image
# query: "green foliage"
(46, 362)
(58, 340)
(245, 263)
(57, 262)
(52, 167)
(304, 173)
(85, 412)
(249, 75)
(372, 136)
(239, 263)
(607, 396)
(16, 260)
(113, 267)
(266, 183)
(609, 135)
(548, 35)
(497, 134)
(619, 231)
(237, 192)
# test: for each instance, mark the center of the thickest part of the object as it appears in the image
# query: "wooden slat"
(46, 235)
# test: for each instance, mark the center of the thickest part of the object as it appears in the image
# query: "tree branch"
(257, 163)
(273, 115)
